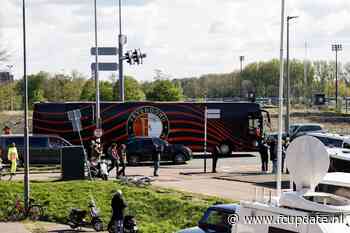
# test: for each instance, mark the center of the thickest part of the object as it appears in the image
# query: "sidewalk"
(13, 227)
(38, 227)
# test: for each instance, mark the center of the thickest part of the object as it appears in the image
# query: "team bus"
(232, 126)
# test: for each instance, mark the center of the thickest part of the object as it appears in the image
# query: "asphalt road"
(236, 179)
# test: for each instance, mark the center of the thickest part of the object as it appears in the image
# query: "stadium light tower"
(336, 48)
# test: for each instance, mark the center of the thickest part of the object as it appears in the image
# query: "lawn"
(157, 210)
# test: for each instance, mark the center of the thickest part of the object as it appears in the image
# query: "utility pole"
(121, 42)
(241, 59)
(97, 82)
(336, 48)
(288, 79)
(26, 131)
(280, 110)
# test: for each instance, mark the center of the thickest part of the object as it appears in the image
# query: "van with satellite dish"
(304, 210)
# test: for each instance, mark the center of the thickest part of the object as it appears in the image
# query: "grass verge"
(157, 210)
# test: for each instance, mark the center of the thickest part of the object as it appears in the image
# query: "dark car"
(140, 149)
(214, 220)
(43, 149)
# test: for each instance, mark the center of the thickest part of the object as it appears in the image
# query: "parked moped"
(77, 218)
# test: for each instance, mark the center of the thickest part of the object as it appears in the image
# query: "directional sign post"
(105, 66)
(104, 51)
(208, 114)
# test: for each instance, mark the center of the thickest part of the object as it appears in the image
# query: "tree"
(133, 90)
(36, 87)
(164, 90)
(9, 97)
(88, 93)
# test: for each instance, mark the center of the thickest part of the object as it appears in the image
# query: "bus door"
(266, 121)
(254, 128)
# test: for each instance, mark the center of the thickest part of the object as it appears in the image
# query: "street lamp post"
(241, 59)
(288, 79)
(97, 82)
(26, 138)
(336, 48)
(121, 42)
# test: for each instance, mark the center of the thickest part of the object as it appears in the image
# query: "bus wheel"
(179, 158)
(225, 149)
(133, 160)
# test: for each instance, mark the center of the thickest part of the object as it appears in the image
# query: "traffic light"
(138, 56)
(129, 57)
(134, 56)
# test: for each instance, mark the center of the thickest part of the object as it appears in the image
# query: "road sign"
(213, 113)
(74, 116)
(98, 133)
(104, 51)
(105, 66)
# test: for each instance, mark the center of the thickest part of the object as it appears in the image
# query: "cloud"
(181, 37)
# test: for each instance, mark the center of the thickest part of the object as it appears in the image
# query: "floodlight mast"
(336, 48)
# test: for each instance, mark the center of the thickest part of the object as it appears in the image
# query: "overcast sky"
(183, 38)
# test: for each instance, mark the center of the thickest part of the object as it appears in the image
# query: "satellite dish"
(307, 161)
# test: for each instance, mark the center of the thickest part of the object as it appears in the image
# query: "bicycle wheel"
(16, 215)
(35, 212)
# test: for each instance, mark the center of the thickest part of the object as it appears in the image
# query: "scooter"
(77, 219)
(99, 168)
(129, 225)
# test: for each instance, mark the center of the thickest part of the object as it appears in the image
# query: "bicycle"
(19, 212)
(137, 181)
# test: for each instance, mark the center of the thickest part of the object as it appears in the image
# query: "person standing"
(284, 151)
(114, 157)
(118, 205)
(263, 150)
(156, 158)
(122, 159)
(12, 156)
(216, 154)
(273, 155)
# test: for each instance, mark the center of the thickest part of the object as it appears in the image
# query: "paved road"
(237, 178)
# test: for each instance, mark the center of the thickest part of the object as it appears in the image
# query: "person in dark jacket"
(113, 155)
(118, 205)
(273, 154)
(122, 159)
(216, 154)
(158, 149)
(263, 150)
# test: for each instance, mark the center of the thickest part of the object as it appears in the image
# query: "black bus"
(233, 126)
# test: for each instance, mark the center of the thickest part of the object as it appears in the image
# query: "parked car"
(332, 140)
(300, 129)
(140, 149)
(214, 220)
(297, 130)
(43, 149)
